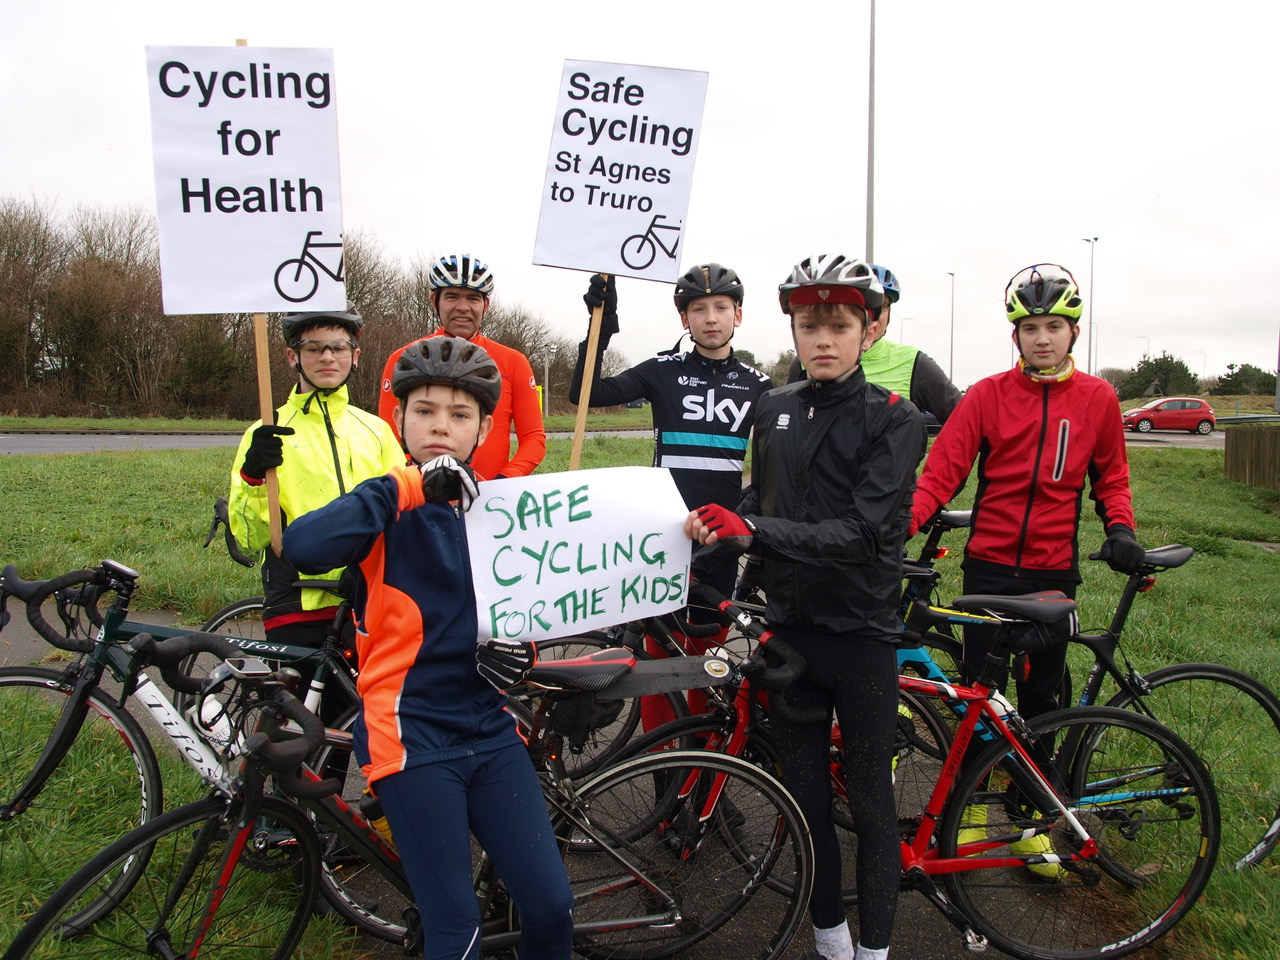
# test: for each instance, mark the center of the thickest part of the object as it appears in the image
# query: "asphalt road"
(43, 443)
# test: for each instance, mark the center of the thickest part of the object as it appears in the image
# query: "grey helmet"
(450, 361)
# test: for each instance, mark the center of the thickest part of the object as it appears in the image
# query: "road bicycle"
(75, 764)
(302, 286)
(1231, 719)
(1118, 813)
(689, 869)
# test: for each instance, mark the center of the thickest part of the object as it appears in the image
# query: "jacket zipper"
(333, 445)
(1035, 474)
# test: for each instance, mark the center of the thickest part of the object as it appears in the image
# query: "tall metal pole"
(871, 139)
(951, 357)
(1093, 345)
(546, 387)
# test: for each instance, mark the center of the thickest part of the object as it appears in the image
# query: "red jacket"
(1035, 444)
(518, 403)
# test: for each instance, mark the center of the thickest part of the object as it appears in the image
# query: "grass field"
(151, 511)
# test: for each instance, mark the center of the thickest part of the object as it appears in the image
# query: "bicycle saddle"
(592, 672)
(1047, 606)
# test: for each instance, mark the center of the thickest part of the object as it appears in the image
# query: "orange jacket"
(518, 403)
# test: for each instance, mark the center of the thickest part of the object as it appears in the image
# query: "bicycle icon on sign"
(639, 250)
(297, 279)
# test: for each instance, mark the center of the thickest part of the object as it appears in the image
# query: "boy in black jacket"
(833, 470)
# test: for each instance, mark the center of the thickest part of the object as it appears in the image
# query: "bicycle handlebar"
(774, 679)
(222, 518)
(37, 591)
(284, 757)
(169, 654)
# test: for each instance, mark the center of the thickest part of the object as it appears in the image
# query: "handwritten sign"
(558, 553)
(620, 169)
(247, 183)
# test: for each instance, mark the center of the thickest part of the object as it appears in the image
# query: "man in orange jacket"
(461, 286)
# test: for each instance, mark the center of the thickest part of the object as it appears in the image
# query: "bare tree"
(32, 251)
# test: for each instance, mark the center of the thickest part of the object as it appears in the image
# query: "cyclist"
(1037, 432)
(333, 445)
(703, 406)
(433, 736)
(461, 286)
(833, 465)
(908, 371)
(703, 401)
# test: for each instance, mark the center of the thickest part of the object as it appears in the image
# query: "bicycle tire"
(1156, 851)
(1232, 720)
(266, 901)
(717, 870)
(108, 782)
(358, 893)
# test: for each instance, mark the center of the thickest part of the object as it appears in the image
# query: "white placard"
(247, 179)
(620, 169)
(558, 553)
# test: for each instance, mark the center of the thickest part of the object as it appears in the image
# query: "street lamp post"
(1204, 363)
(1093, 349)
(547, 357)
(951, 356)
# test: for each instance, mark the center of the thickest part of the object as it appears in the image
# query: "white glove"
(445, 479)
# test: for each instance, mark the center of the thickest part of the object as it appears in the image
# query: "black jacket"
(832, 473)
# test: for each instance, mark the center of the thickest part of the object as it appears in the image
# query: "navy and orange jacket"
(1035, 444)
(422, 700)
(518, 405)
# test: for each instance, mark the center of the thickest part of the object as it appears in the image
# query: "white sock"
(866, 953)
(834, 943)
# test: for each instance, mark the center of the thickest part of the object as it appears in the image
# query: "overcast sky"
(1005, 133)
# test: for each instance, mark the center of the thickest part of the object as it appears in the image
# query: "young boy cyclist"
(703, 407)
(832, 470)
(433, 736)
(1037, 432)
(331, 446)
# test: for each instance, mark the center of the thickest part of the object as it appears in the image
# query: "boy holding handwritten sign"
(433, 737)
(832, 474)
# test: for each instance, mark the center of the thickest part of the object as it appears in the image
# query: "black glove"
(603, 292)
(504, 663)
(1121, 550)
(266, 450)
(444, 479)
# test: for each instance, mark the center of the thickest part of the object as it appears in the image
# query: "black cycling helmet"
(453, 362)
(292, 324)
(707, 280)
(887, 280)
(1044, 288)
(832, 278)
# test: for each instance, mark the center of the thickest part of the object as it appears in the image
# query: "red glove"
(730, 529)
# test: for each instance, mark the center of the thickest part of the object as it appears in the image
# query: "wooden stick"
(588, 376)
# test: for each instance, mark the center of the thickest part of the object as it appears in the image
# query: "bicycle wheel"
(357, 891)
(704, 875)
(1140, 792)
(1233, 722)
(107, 783)
(242, 619)
(266, 895)
(634, 255)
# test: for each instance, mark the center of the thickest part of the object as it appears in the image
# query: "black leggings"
(858, 679)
